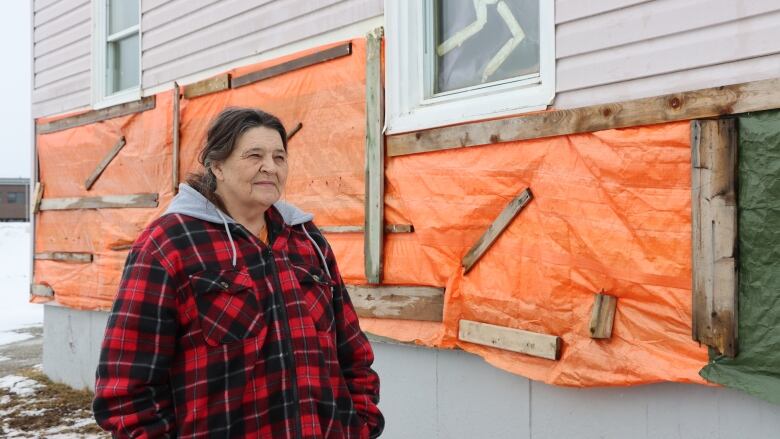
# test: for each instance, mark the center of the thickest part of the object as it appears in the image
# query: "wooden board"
(37, 196)
(69, 257)
(93, 116)
(494, 231)
(373, 243)
(176, 129)
(41, 290)
(602, 316)
(710, 102)
(515, 340)
(389, 228)
(104, 163)
(104, 202)
(714, 223)
(207, 86)
(294, 131)
(398, 302)
(295, 64)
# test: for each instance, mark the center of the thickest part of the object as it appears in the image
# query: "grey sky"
(15, 114)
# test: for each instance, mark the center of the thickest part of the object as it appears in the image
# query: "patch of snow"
(2, 358)
(19, 385)
(32, 412)
(15, 261)
(5, 399)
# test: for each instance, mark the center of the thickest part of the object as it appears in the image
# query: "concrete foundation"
(442, 394)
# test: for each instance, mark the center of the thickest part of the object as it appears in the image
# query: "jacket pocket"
(317, 294)
(228, 308)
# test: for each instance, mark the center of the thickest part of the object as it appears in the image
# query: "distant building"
(14, 193)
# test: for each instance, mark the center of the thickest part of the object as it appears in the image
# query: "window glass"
(484, 41)
(122, 69)
(121, 15)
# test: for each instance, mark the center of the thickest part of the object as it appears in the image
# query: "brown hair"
(221, 140)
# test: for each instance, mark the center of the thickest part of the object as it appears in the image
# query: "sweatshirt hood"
(192, 203)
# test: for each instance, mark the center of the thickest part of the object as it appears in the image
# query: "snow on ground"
(15, 256)
(19, 385)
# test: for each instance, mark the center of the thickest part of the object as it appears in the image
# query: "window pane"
(122, 14)
(492, 43)
(122, 64)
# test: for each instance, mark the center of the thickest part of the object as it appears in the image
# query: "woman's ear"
(216, 169)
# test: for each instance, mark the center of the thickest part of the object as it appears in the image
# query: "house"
(537, 204)
(14, 204)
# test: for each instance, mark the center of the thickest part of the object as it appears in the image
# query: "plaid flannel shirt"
(270, 348)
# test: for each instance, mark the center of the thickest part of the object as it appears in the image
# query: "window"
(15, 197)
(116, 70)
(456, 61)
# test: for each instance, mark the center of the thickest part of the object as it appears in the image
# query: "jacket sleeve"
(132, 390)
(354, 352)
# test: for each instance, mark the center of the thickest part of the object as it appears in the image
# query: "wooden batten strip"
(494, 231)
(40, 290)
(373, 243)
(37, 196)
(294, 131)
(602, 315)
(705, 103)
(398, 302)
(715, 234)
(176, 129)
(104, 202)
(207, 86)
(295, 64)
(69, 257)
(389, 228)
(93, 116)
(104, 163)
(120, 247)
(515, 340)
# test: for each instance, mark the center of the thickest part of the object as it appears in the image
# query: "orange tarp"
(611, 210)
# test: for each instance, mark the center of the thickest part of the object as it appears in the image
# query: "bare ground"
(31, 405)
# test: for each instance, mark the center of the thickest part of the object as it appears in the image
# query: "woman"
(232, 319)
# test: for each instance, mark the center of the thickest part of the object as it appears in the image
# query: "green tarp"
(756, 369)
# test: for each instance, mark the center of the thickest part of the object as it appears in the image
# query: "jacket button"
(224, 285)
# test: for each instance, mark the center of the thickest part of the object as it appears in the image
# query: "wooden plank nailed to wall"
(295, 64)
(494, 231)
(93, 116)
(602, 315)
(104, 202)
(389, 228)
(69, 257)
(714, 221)
(41, 290)
(398, 302)
(710, 102)
(207, 86)
(375, 160)
(515, 340)
(104, 163)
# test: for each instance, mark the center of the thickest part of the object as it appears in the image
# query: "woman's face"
(254, 174)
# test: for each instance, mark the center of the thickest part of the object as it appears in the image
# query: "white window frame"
(100, 38)
(408, 109)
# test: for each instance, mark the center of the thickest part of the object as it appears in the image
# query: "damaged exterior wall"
(393, 360)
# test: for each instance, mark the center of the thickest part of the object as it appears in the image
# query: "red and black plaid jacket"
(269, 348)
